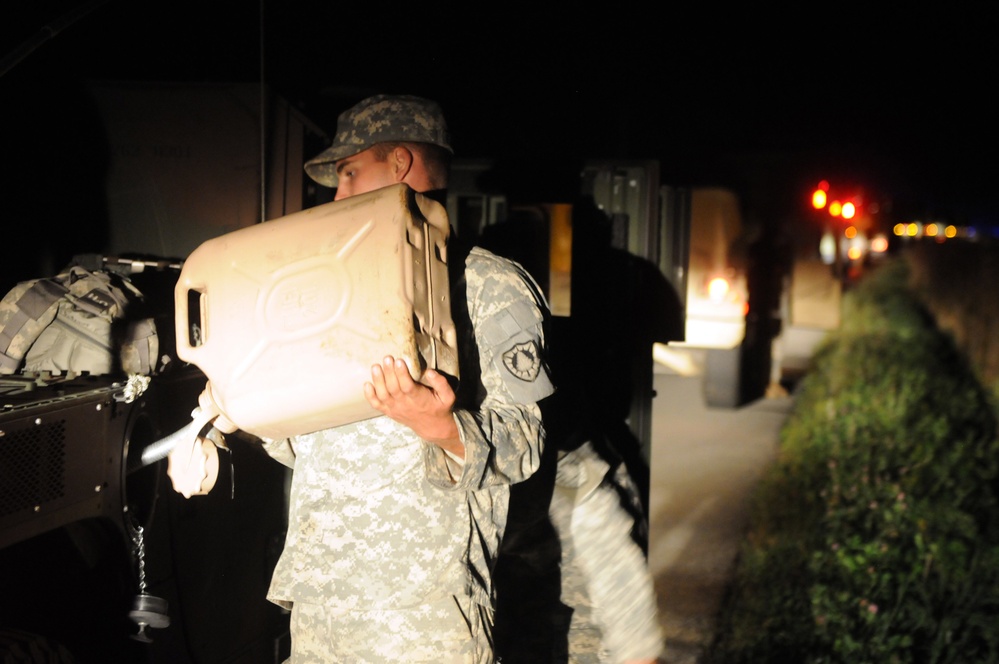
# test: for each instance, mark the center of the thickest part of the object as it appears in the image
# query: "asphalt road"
(705, 464)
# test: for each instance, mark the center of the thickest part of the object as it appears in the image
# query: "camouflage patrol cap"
(380, 119)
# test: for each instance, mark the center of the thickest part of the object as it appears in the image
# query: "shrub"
(873, 537)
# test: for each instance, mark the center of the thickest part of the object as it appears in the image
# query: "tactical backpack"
(76, 322)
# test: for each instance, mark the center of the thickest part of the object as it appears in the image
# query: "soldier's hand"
(424, 408)
(193, 467)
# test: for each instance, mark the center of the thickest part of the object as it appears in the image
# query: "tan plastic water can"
(287, 317)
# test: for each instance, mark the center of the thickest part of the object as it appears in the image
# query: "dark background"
(767, 101)
(896, 102)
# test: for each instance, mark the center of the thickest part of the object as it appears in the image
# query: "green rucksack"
(76, 322)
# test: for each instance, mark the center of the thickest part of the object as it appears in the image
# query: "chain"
(140, 556)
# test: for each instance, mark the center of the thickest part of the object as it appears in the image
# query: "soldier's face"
(361, 173)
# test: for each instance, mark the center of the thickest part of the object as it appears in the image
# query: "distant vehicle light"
(879, 244)
(827, 248)
(912, 230)
(930, 230)
(718, 289)
(849, 210)
(818, 199)
(899, 229)
(835, 208)
(855, 253)
(950, 231)
(850, 232)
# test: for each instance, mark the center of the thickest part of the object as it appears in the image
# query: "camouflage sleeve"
(504, 436)
(281, 450)
(617, 579)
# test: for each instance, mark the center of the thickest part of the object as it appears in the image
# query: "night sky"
(897, 101)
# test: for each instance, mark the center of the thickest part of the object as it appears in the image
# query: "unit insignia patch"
(523, 361)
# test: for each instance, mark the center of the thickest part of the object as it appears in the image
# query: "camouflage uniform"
(391, 542)
(605, 578)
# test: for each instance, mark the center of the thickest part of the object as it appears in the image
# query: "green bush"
(874, 536)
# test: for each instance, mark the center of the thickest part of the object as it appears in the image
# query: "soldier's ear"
(401, 160)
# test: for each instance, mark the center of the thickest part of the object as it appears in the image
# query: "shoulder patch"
(523, 360)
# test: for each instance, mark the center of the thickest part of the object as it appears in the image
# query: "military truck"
(100, 560)
(694, 236)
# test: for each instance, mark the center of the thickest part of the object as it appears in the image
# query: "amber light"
(820, 195)
(818, 199)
